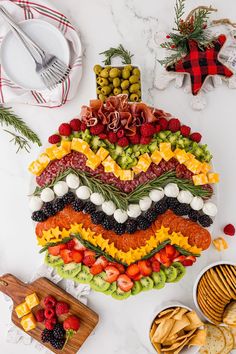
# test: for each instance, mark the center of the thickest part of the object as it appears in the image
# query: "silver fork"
(50, 68)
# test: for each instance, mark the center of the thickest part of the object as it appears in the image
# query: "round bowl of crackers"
(177, 329)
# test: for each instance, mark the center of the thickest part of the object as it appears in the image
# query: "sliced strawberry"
(102, 261)
(70, 245)
(77, 256)
(167, 264)
(170, 251)
(137, 277)
(119, 266)
(54, 250)
(124, 282)
(112, 274)
(157, 257)
(96, 269)
(187, 263)
(78, 245)
(145, 267)
(89, 260)
(156, 266)
(191, 258)
(177, 254)
(66, 256)
(179, 259)
(132, 270)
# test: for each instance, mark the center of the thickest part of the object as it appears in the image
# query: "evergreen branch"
(171, 59)
(179, 11)
(120, 51)
(19, 141)
(185, 252)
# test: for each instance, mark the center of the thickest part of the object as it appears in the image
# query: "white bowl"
(198, 279)
(165, 306)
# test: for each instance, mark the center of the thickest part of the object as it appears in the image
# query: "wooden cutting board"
(17, 290)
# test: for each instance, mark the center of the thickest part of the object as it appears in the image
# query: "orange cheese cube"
(102, 153)
(66, 144)
(50, 152)
(190, 156)
(136, 169)
(93, 161)
(193, 165)
(147, 157)
(117, 170)
(156, 157)
(79, 145)
(36, 168)
(22, 310)
(165, 151)
(28, 322)
(181, 155)
(220, 244)
(126, 175)
(205, 167)
(32, 300)
(60, 152)
(44, 159)
(109, 164)
(213, 177)
(200, 179)
(143, 163)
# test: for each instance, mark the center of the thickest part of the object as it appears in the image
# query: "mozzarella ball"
(157, 194)
(185, 197)
(120, 216)
(47, 195)
(97, 198)
(209, 209)
(196, 203)
(72, 181)
(35, 203)
(108, 207)
(60, 188)
(145, 203)
(83, 192)
(134, 210)
(171, 190)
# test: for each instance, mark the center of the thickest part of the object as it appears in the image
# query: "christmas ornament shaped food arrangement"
(123, 198)
(194, 50)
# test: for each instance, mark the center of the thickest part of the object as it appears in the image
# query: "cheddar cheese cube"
(165, 151)
(28, 322)
(143, 163)
(36, 168)
(156, 157)
(181, 155)
(102, 153)
(22, 310)
(117, 170)
(147, 157)
(126, 175)
(193, 165)
(44, 160)
(137, 169)
(32, 300)
(205, 167)
(109, 164)
(190, 156)
(50, 152)
(220, 244)
(60, 152)
(66, 144)
(93, 161)
(80, 145)
(200, 179)
(213, 177)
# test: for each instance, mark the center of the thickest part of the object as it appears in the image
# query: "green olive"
(110, 79)
(128, 67)
(117, 91)
(104, 82)
(125, 74)
(108, 67)
(97, 69)
(116, 82)
(125, 92)
(134, 88)
(125, 84)
(98, 90)
(102, 97)
(114, 72)
(134, 97)
(133, 79)
(106, 90)
(136, 72)
(104, 73)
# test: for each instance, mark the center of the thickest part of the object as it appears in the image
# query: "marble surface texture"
(123, 325)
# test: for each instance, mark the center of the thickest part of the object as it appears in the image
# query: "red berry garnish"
(120, 133)
(39, 315)
(75, 124)
(135, 139)
(102, 136)
(112, 137)
(174, 125)
(83, 126)
(65, 129)
(49, 313)
(145, 140)
(158, 128)
(50, 323)
(196, 137)
(229, 230)
(168, 37)
(54, 139)
(147, 130)
(123, 142)
(185, 130)
(163, 123)
(61, 308)
(97, 129)
(49, 301)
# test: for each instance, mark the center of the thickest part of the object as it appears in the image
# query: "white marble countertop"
(123, 326)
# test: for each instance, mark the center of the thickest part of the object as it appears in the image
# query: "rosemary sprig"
(185, 252)
(19, 140)
(120, 51)
(51, 244)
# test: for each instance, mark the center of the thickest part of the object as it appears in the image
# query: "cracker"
(215, 341)
(224, 283)
(229, 340)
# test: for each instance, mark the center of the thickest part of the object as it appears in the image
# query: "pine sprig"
(179, 11)
(19, 141)
(120, 51)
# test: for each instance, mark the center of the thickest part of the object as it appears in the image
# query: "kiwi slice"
(181, 271)
(53, 261)
(159, 279)
(171, 274)
(84, 276)
(98, 282)
(120, 295)
(111, 289)
(69, 270)
(147, 283)
(137, 288)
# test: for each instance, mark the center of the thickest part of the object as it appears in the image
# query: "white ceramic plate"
(17, 62)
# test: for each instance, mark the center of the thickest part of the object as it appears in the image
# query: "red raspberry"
(185, 130)
(97, 129)
(174, 125)
(49, 324)
(49, 313)
(158, 128)
(112, 137)
(61, 308)
(145, 140)
(120, 133)
(102, 136)
(135, 139)
(147, 130)
(75, 124)
(54, 139)
(49, 301)
(83, 126)
(229, 230)
(39, 315)
(163, 123)
(70, 245)
(196, 137)
(65, 129)
(123, 142)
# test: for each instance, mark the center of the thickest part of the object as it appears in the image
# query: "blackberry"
(78, 205)
(131, 226)
(68, 198)
(108, 223)
(48, 209)
(58, 331)
(47, 335)
(161, 206)
(143, 223)
(98, 217)
(205, 220)
(57, 343)
(151, 215)
(58, 205)
(172, 202)
(193, 215)
(182, 209)
(119, 228)
(89, 208)
(38, 216)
